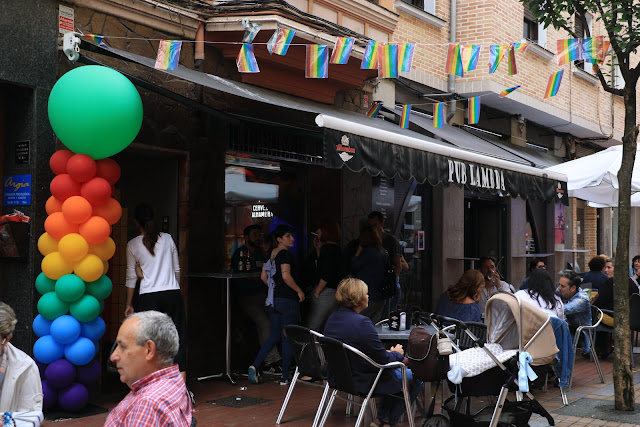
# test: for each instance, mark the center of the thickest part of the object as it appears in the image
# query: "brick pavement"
(586, 385)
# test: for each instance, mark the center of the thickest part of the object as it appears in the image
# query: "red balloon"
(81, 167)
(109, 170)
(53, 205)
(63, 186)
(111, 211)
(97, 191)
(95, 230)
(57, 226)
(58, 161)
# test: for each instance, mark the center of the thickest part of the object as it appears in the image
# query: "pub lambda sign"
(474, 175)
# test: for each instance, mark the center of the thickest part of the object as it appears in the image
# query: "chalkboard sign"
(383, 199)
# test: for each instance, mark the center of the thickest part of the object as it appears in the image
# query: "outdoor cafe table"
(386, 334)
(227, 275)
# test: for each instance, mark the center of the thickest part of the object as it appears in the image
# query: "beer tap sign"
(76, 245)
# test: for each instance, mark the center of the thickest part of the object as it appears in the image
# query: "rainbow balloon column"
(76, 243)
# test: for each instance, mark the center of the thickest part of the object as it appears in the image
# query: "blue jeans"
(393, 406)
(284, 312)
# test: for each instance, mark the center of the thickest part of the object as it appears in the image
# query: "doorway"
(485, 230)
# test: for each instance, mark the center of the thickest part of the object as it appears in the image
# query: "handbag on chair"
(425, 361)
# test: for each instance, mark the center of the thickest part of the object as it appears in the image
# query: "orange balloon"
(53, 205)
(104, 250)
(76, 209)
(47, 244)
(106, 267)
(58, 227)
(89, 268)
(111, 211)
(95, 230)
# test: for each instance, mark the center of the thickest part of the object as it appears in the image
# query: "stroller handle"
(444, 320)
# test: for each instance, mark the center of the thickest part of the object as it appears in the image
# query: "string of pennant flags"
(392, 58)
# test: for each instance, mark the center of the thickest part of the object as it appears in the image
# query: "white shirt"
(539, 303)
(486, 294)
(161, 271)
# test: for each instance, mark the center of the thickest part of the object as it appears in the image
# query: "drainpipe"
(198, 57)
(453, 18)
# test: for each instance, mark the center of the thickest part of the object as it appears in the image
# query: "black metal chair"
(476, 328)
(634, 320)
(341, 376)
(309, 362)
(596, 320)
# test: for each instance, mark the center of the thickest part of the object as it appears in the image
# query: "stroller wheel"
(436, 421)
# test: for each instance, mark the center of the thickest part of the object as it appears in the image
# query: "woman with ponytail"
(155, 253)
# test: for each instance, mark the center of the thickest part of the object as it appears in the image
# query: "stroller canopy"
(520, 326)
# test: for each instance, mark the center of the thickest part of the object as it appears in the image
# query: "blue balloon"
(65, 329)
(80, 352)
(47, 349)
(41, 326)
(93, 330)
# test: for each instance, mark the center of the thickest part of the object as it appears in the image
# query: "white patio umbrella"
(595, 177)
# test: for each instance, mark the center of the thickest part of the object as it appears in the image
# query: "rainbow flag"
(317, 63)
(375, 109)
(569, 50)
(469, 56)
(511, 62)
(496, 53)
(342, 50)
(246, 60)
(520, 47)
(592, 49)
(474, 110)
(438, 115)
(388, 61)
(454, 60)
(370, 58)
(280, 41)
(554, 84)
(168, 54)
(250, 30)
(406, 114)
(508, 91)
(96, 39)
(405, 56)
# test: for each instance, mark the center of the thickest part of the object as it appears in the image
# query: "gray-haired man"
(146, 346)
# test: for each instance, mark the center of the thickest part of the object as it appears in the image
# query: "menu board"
(383, 199)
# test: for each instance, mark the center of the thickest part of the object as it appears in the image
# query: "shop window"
(533, 30)
(428, 6)
(584, 32)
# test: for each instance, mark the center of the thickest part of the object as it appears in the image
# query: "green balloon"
(101, 307)
(85, 309)
(70, 288)
(51, 307)
(101, 288)
(44, 284)
(95, 110)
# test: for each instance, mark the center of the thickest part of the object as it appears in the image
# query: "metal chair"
(634, 320)
(309, 362)
(596, 320)
(341, 376)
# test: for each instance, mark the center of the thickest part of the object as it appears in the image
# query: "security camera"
(71, 46)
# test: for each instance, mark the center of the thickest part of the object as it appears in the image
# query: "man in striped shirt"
(146, 346)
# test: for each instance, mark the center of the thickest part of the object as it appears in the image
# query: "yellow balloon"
(104, 250)
(47, 244)
(73, 247)
(106, 267)
(54, 266)
(89, 268)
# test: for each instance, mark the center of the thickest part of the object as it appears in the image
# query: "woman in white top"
(157, 257)
(540, 292)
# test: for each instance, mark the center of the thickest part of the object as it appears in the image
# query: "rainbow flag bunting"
(280, 41)
(520, 47)
(96, 39)
(317, 63)
(474, 110)
(511, 62)
(406, 115)
(508, 91)
(370, 58)
(569, 50)
(342, 50)
(592, 49)
(168, 54)
(469, 55)
(496, 53)
(554, 84)
(388, 61)
(375, 109)
(438, 115)
(454, 60)
(246, 60)
(250, 30)
(405, 56)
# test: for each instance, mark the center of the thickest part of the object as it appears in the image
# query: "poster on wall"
(383, 199)
(558, 223)
(17, 190)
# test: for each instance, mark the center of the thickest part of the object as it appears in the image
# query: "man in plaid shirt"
(146, 345)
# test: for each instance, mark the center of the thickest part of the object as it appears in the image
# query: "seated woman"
(540, 292)
(460, 301)
(20, 386)
(356, 330)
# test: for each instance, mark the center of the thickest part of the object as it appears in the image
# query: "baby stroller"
(493, 368)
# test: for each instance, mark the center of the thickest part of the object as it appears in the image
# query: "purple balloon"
(50, 396)
(41, 368)
(88, 374)
(60, 373)
(73, 398)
